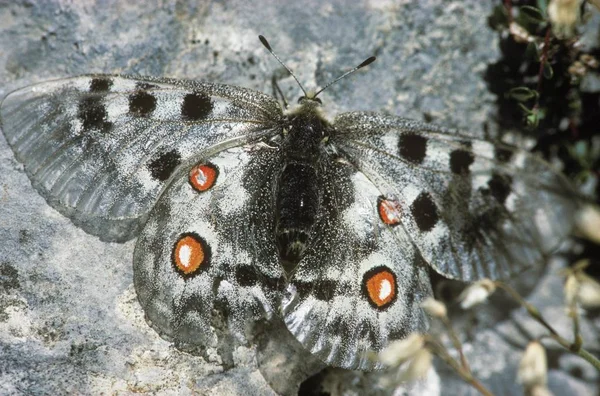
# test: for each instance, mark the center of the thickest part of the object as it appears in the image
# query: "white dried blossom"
(400, 351)
(588, 294)
(580, 288)
(564, 15)
(588, 222)
(476, 293)
(519, 33)
(533, 367)
(434, 308)
(571, 290)
(418, 366)
(539, 390)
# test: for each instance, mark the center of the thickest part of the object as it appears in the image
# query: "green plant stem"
(440, 351)
(574, 347)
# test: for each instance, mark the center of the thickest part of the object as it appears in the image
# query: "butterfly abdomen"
(298, 189)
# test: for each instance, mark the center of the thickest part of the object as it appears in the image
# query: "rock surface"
(69, 318)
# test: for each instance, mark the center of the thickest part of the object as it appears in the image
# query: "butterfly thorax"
(299, 192)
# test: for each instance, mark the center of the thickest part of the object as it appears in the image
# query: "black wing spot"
(100, 84)
(246, 276)
(162, 167)
(141, 103)
(325, 290)
(460, 160)
(196, 106)
(425, 212)
(500, 187)
(502, 154)
(93, 115)
(412, 147)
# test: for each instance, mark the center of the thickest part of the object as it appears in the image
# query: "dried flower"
(588, 294)
(571, 290)
(519, 33)
(577, 69)
(588, 222)
(400, 351)
(476, 293)
(539, 390)
(589, 61)
(580, 288)
(418, 367)
(533, 367)
(564, 15)
(434, 308)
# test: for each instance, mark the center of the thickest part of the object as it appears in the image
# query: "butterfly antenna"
(366, 62)
(264, 42)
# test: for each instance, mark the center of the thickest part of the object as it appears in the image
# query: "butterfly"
(244, 210)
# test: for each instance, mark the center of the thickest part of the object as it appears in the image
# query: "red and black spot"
(412, 147)
(196, 257)
(162, 167)
(380, 287)
(389, 210)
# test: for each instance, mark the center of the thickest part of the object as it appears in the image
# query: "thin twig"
(508, 6)
(466, 375)
(456, 342)
(575, 347)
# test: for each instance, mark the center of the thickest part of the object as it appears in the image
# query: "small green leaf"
(525, 109)
(533, 14)
(531, 52)
(547, 71)
(498, 20)
(532, 120)
(522, 94)
(542, 5)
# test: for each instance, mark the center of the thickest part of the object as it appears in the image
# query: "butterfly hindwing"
(473, 208)
(359, 285)
(206, 247)
(101, 148)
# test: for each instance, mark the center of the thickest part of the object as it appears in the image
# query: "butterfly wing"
(473, 208)
(359, 285)
(101, 148)
(208, 247)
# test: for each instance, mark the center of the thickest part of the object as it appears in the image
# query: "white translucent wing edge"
(88, 190)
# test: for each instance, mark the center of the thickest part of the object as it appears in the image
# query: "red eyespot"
(389, 211)
(189, 254)
(379, 287)
(203, 177)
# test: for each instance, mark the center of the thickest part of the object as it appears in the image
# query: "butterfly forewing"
(474, 209)
(101, 148)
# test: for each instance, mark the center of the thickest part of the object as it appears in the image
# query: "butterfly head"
(309, 99)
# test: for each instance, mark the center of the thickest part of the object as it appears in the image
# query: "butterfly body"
(243, 211)
(299, 190)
